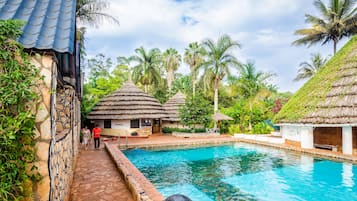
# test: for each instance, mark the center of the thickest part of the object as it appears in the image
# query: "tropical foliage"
(171, 60)
(308, 69)
(91, 12)
(196, 111)
(194, 58)
(245, 94)
(102, 80)
(218, 62)
(338, 19)
(147, 68)
(18, 97)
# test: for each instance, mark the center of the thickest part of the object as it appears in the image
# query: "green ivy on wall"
(18, 98)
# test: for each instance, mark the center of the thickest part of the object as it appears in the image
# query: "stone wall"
(57, 133)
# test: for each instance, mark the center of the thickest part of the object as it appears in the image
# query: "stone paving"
(96, 178)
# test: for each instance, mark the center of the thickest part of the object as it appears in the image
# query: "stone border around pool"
(141, 188)
(314, 152)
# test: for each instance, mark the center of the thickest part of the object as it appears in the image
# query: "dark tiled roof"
(50, 24)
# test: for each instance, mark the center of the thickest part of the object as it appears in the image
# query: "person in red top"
(96, 135)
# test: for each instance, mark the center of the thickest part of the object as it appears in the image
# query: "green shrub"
(262, 128)
(18, 78)
(234, 128)
(183, 130)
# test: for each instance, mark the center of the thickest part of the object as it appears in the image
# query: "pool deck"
(108, 171)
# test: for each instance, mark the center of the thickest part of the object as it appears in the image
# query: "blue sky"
(264, 28)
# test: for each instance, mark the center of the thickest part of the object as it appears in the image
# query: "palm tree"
(218, 63)
(308, 69)
(194, 58)
(90, 12)
(171, 60)
(338, 20)
(147, 70)
(253, 85)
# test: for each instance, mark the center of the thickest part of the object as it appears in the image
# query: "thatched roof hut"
(330, 96)
(220, 117)
(128, 102)
(172, 106)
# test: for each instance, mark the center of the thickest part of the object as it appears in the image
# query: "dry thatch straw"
(172, 107)
(220, 117)
(129, 102)
(330, 97)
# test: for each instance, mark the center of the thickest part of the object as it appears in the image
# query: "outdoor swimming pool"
(245, 172)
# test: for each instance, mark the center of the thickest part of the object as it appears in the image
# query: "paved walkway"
(96, 178)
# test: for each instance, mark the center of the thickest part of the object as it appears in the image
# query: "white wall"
(291, 133)
(120, 124)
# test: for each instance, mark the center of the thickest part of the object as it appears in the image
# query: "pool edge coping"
(140, 187)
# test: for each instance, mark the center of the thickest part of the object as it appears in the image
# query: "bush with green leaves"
(262, 128)
(234, 129)
(18, 81)
(183, 130)
(195, 111)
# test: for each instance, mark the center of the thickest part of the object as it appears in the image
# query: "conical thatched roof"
(220, 117)
(129, 102)
(330, 97)
(172, 106)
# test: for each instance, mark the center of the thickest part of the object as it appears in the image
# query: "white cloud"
(264, 28)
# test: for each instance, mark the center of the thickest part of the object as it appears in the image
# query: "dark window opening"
(107, 123)
(134, 123)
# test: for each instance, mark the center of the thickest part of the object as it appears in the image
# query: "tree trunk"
(250, 116)
(334, 46)
(215, 101)
(193, 87)
(170, 75)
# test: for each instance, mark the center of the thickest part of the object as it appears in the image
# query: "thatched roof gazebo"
(172, 106)
(221, 117)
(127, 103)
(324, 110)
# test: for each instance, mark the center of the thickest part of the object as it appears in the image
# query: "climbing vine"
(18, 98)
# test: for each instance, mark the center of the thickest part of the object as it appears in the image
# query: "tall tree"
(194, 58)
(337, 20)
(91, 12)
(171, 60)
(147, 70)
(308, 69)
(218, 62)
(253, 86)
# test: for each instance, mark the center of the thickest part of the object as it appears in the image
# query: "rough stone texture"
(45, 129)
(42, 113)
(56, 166)
(47, 76)
(43, 187)
(65, 107)
(42, 150)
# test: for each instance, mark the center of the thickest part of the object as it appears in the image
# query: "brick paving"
(96, 178)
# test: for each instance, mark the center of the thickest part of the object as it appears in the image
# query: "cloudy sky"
(264, 28)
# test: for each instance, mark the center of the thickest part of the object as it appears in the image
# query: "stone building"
(323, 113)
(128, 111)
(49, 37)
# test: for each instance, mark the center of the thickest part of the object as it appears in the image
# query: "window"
(107, 123)
(145, 122)
(134, 123)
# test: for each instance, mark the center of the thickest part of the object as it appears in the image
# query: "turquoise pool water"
(245, 172)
